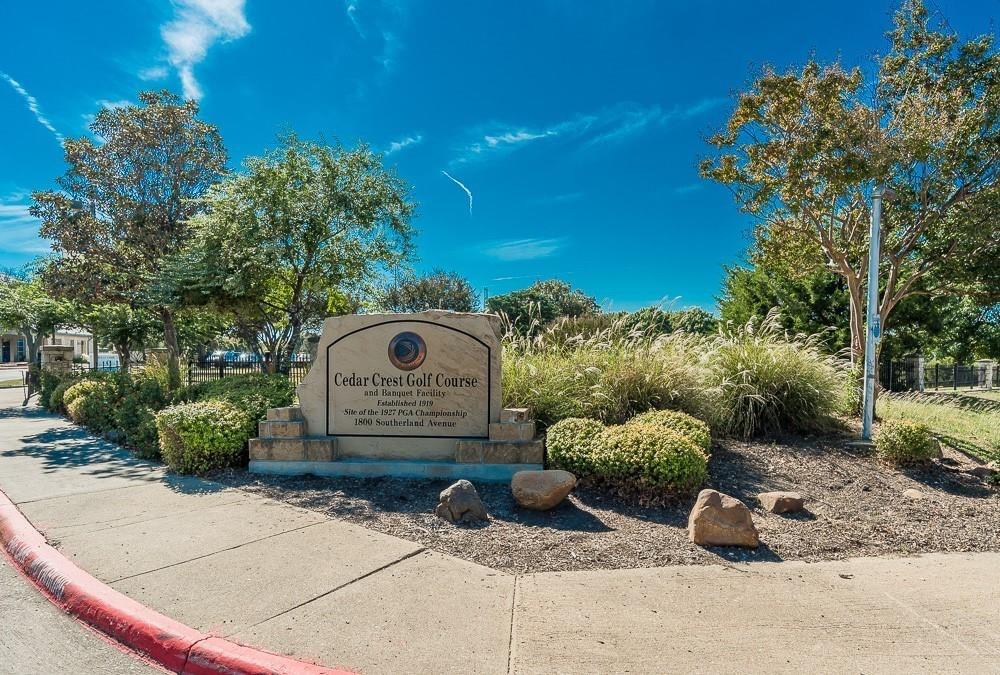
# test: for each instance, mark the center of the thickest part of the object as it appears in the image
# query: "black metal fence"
(906, 375)
(208, 370)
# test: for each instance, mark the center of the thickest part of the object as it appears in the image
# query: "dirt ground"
(854, 507)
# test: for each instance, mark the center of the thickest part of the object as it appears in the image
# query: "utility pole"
(874, 324)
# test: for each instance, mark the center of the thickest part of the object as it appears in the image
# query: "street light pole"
(874, 325)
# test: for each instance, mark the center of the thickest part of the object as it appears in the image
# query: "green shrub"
(201, 436)
(143, 394)
(682, 423)
(903, 442)
(641, 454)
(253, 393)
(48, 381)
(55, 399)
(571, 445)
(763, 381)
(92, 403)
(651, 456)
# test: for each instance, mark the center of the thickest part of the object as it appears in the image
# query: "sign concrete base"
(365, 468)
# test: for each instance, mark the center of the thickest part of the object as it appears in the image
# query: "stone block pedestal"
(285, 447)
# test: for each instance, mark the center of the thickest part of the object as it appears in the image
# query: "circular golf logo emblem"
(407, 351)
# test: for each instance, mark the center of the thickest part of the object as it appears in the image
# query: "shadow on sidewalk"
(73, 448)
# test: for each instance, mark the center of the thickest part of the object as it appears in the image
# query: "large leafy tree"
(532, 308)
(297, 234)
(436, 290)
(803, 151)
(124, 203)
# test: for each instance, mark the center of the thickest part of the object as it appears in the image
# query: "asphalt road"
(38, 639)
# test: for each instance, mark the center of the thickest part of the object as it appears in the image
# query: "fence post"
(937, 377)
(954, 376)
(190, 368)
(222, 368)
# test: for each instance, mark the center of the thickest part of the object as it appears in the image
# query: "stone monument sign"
(402, 394)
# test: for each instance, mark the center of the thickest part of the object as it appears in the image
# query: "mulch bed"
(854, 507)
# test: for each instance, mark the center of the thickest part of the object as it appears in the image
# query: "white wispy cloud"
(687, 189)
(461, 185)
(20, 229)
(113, 105)
(351, 7)
(611, 124)
(396, 146)
(196, 26)
(381, 19)
(153, 73)
(33, 106)
(524, 249)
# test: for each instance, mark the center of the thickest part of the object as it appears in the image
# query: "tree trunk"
(173, 350)
(293, 342)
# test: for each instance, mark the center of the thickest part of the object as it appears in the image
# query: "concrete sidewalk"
(294, 581)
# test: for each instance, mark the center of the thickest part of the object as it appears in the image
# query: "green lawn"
(10, 384)
(970, 423)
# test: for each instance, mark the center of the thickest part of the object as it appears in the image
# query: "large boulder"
(721, 520)
(781, 502)
(541, 490)
(460, 503)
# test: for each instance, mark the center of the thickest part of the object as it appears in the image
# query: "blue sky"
(576, 126)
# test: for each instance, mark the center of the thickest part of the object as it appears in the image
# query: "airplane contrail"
(461, 185)
(33, 106)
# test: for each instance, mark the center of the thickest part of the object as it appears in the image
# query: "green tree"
(694, 320)
(27, 308)
(289, 239)
(534, 307)
(813, 303)
(437, 290)
(124, 204)
(125, 328)
(802, 152)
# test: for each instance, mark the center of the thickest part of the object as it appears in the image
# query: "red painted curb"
(167, 642)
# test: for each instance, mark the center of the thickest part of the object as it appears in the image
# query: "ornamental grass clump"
(903, 442)
(200, 436)
(762, 380)
(609, 376)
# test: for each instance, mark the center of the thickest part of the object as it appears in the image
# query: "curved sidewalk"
(292, 581)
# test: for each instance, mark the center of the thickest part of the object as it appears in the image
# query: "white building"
(14, 349)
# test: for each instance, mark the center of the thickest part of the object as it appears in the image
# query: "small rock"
(541, 490)
(781, 502)
(983, 470)
(721, 520)
(460, 503)
(913, 494)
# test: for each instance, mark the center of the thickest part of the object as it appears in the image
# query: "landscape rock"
(984, 470)
(460, 503)
(541, 490)
(781, 502)
(913, 494)
(720, 520)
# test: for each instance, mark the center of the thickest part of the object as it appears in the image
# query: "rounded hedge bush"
(201, 436)
(55, 400)
(651, 456)
(253, 393)
(571, 444)
(905, 442)
(674, 420)
(143, 394)
(92, 403)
